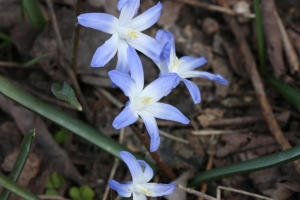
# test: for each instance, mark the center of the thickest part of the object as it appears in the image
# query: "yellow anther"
(146, 100)
(176, 63)
(146, 192)
(133, 34)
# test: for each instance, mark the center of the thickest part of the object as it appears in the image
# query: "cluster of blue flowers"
(129, 77)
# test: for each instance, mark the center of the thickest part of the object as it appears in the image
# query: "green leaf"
(49, 184)
(5, 37)
(257, 164)
(86, 192)
(51, 191)
(15, 188)
(286, 91)
(35, 60)
(20, 161)
(74, 193)
(61, 136)
(35, 15)
(57, 180)
(64, 120)
(66, 93)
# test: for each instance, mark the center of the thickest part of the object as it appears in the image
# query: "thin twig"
(218, 132)
(215, 8)
(208, 167)
(178, 139)
(76, 31)
(14, 65)
(239, 191)
(51, 197)
(289, 50)
(257, 84)
(195, 192)
(66, 65)
(115, 166)
(155, 155)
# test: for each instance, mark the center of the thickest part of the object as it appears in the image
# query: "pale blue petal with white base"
(164, 59)
(167, 112)
(126, 117)
(161, 87)
(122, 63)
(105, 52)
(124, 82)
(129, 9)
(147, 45)
(99, 21)
(194, 90)
(139, 196)
(147, 174)
(122, 189)
(136, 68)
(147, 18)
(190, 63)
(213, 77)
(133, 166)
(162, 37)
(158, 189)
(152, 129)
(121, 4)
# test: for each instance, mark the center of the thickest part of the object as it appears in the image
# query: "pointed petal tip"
(221, 80)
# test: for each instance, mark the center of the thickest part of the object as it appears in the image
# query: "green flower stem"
(31, 7)
(64, 120)
(20, 161)
(257, 164)
(15, 188)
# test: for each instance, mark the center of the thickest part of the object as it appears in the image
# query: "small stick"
(218, 132)
(208, 167)
(257, 84)
(50, 197)
(155, 155)
(76, 36)
(66, 65)
(239, 191)
(195, 192)
(13, 65)
(287, 47)
(115, 166)
(178, 139)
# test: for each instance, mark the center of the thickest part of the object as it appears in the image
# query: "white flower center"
(133, 34)
(175, 64)
(141, 189)
(139, 103)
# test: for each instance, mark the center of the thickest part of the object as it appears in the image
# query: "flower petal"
(126, 117)
(194, 90)
(146, 19)
(161, 87)
(136, 68)
(152, 129)
(164, 59)
(122, 189)
(99, 21)
(133, 166)
(139, 196)
(147, 174)
(191, 63)
(129, 9)
(105, 52)
(167, 112)
(159, 189)
(121, 4)
(124, 82)
(162, 37)
(147, 45)
(213, 77)
(122, 64)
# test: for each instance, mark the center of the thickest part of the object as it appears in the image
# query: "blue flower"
(125, 31)
(139, 186)
(143, 102)
(183, 67)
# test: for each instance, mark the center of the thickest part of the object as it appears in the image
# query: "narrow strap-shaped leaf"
(257, 164)
(20, 161)
(66, 93)
(35, 60)
(15, 188)
(286, 91)
(64, 120)
(35, 15)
